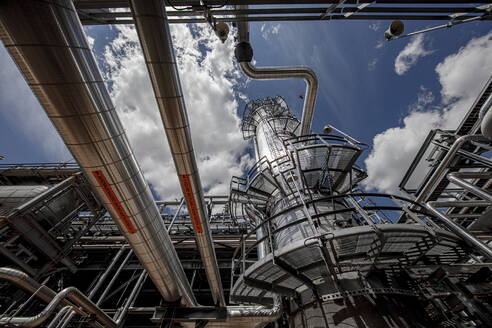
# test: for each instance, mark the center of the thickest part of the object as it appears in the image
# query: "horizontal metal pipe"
(60, 68)
(75, 296)
(153, 31)
(467, 237)
(290, 72)
(455, 177)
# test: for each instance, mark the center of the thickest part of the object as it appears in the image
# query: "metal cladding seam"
(46, 40)
(153, 30)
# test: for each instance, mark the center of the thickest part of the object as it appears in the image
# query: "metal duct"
(153, 30)
(47, 42)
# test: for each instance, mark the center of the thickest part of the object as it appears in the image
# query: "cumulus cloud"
(209, 77)
(462, 76)
(379, 44)
(410, 54)
(22, 110)
(268, 30)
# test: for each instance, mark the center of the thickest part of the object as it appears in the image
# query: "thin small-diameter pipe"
(102, 279)
(59, 316)
(439, 172)
(136, 289)
(457, 179)
(175, 215)
(72, 293)
(467, 237)
(115, 276)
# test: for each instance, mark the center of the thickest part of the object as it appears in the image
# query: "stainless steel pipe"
(457, 179)
(153, 31)
(72, 293)
(290, 72)
(47, 42)
(461, 232)
(439, 172)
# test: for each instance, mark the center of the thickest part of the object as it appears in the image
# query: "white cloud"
(410, 54)
(375, 26)
(208, 80)
(90, 40)
(372, 64)
(379, 45)
(462, 76)
(424, 98)
(21, 109)
(268, 30)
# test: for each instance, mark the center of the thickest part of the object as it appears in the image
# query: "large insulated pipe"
(244, 55)
(153, 30)
(47, 42)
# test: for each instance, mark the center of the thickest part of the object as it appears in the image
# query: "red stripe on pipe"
(190, 200)
(115, 202)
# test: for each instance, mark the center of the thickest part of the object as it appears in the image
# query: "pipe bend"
(290, 72)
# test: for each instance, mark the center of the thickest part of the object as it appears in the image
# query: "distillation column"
(318, 242)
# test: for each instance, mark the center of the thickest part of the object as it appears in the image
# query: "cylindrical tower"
(333, 254)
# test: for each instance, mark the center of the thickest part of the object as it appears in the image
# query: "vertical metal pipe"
(290, 72)
(46, 40)
(153, 31)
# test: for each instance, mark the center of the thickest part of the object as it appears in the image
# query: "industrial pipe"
(255, 314)
(290, 72)
(59, 316)
(153, 31)
(244, 55)
(461, 232)
(46, 40)
(457, 179)
(486, 116)
(72, 293)
(439, 172)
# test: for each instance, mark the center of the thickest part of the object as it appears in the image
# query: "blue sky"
(360, 93)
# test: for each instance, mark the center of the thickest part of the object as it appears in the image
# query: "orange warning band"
(190, 200)
(115, 202)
